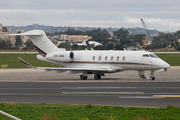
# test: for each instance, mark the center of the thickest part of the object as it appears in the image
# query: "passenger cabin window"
(123, 58)
(99, 57)
(93, 57)
(153, 56)
(117, 58)
(106, 58)
(145, 55)
(111, 58)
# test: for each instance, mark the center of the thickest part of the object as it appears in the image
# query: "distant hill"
(51, 29)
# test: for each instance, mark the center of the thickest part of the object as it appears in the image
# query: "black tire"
(83, 77)
(97, 77)
(152, 78)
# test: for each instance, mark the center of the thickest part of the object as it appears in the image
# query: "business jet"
(97, 62)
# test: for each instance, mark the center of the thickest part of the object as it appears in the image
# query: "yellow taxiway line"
(166, 95)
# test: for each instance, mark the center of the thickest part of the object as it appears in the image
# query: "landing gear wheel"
(83, 77)
(97, 77)
(152, 78)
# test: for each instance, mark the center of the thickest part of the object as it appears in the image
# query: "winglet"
(26, 63)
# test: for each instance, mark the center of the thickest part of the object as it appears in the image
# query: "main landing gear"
(97, 77)
(85, 75)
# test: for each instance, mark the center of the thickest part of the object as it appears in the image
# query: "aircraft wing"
(58, 69)
(73, 69)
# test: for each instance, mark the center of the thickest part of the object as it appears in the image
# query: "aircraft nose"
(166, 65)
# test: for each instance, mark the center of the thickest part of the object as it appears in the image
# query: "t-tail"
(41, 42)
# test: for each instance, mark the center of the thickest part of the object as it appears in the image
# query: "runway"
(122, 89)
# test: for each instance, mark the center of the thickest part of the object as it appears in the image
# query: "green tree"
(75, 47)
(104, 36)
(119, 47)
(65, 45)
(177, 34)
(125, 42)
(99, 36)
(95, 34)
(8, 45)
(29, 44)
(138, 39)
(121, 33)
(99, 47)
(177, 48)
(110, 47)
(70, 32)
(5, 44)
(18, 40)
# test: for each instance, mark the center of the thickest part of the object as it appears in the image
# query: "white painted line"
(102, 93)
(141, 97)
(8, 115)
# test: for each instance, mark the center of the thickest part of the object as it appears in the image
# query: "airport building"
(14, 39)
(73, 39)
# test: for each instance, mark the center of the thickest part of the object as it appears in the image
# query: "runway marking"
(105, 87)
(74, 88)
(166, 95)
(37, 94)
(101, 88)
(103, 93)
(141, 97)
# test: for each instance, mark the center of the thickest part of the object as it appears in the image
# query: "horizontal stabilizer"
(26, 63)
(30, 33)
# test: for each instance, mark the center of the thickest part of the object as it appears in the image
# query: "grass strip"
(45, 111)
(172, 59)
(13, 62)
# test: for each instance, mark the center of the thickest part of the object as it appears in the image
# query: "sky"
(162, 15)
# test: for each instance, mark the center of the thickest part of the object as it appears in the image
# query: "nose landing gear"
(152, 75)
(143, 75)
(152, 78)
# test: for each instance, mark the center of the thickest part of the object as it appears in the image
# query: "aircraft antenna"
(147, 31)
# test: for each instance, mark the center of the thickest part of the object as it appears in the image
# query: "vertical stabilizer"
(42, 44)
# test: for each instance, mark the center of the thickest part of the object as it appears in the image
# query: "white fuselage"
(114, 61)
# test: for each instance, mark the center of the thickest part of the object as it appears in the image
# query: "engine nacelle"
(61, 56)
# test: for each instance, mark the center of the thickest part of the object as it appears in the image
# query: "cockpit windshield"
(145, 55)
(153, 56)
